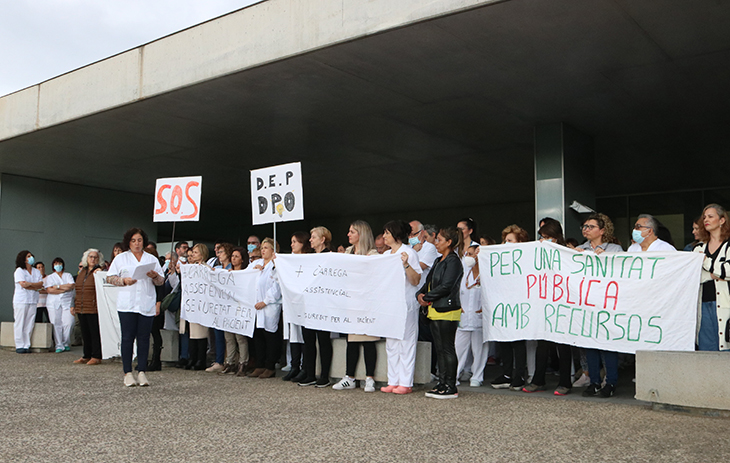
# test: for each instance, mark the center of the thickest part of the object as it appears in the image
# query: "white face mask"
(469, 261)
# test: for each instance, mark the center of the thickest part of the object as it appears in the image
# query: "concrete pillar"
(564, 172)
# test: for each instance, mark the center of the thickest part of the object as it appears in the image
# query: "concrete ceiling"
(433, 114)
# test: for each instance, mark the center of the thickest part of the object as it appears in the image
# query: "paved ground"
(52, 410)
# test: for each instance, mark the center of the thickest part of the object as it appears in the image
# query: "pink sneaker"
(387, 388)
(402, 390)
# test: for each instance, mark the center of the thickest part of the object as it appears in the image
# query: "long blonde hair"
(366, 242)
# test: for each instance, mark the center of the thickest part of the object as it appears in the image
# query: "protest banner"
(620, 302)
(276, 194)
(220, 299)
(344, 293)
(177, 199)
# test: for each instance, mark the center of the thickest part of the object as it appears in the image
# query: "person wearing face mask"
(60, 286)
(714, 309)
(28, 282)
(86, 308)
(512, 378)
(551, 231)
(253, 242)
(469, 338)
(645, 236)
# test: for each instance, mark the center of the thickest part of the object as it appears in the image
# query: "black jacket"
(445, 281)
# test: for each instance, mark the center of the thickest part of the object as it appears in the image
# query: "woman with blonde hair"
(267, 337)
(362, 243)
(198, 344)
(714, 310)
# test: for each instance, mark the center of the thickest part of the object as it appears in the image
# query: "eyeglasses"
(639, 227)
(588, 227)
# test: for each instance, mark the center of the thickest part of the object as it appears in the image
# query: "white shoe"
(345, 383)
(583, 381)
(142, 379)
(129, 380)
(216, 367)
(286, 368)
(369, 384)
(475, 383)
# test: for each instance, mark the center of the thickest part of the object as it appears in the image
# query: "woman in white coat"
(266, 336)
(60, 287)
(28, 282)
(469, 336)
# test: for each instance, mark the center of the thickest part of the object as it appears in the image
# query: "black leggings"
(444, 332)
(157, 325)
(310, 352)
(513, 352)
(267, 348)
(541, 361)
(89, 324)
(353, 355)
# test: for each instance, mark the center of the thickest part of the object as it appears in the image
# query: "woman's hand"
(259, 305)
(24, 284)
(421, 301)
(73, 310)
(152, 274)
(258, 267)
(128, 281)
(404, 257)
(598, 250)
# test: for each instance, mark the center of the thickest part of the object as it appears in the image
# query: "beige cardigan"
(721, 269)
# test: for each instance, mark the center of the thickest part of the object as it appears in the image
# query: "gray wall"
(52, 219)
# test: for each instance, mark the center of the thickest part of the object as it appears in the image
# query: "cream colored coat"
(721, 269)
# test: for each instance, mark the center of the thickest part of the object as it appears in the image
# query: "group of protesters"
(443, 306)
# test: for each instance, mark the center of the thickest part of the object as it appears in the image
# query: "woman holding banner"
(402, 352)
(224, 262)
(136, 301)
(236, 344)
(715, 306)
(362, 243)
(292, 332)
(198, 334)
(441, 295)
(320, 239)
(266, 335)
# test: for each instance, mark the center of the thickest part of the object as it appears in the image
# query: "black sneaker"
(607, 391)
(323, 382)
(517, 385)
(592, 390)
(308, 382)
(445, 393)
(439, 387)
(502, 382)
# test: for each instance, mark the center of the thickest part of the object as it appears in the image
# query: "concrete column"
(564, 172)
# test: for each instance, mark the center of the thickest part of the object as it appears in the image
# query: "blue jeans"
(184, 341)
(708, 337)
(610, 361)
(220, 346)
(135, 326)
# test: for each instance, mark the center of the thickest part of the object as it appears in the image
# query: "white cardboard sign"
(276, 194)
(177, 199)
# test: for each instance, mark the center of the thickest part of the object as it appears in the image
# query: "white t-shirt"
(22, 295)
(427, 255)
(411, 301)
(657, 245)
(59, 300)
(141, 296)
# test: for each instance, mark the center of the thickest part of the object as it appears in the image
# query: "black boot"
(192, 354)
(155, 364)
(200, 363)
(292, 373)
(300, 377)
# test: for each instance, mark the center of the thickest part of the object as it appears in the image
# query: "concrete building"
(396, 109)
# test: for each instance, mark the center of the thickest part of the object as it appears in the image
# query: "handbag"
(171, 302)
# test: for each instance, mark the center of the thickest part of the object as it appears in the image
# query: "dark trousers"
(89, 324)
(353, 355)
(267, 348)
(541, 363)
(610, 360)
(513, 353)
(424, 334)
(296, 349)
(444, 332)
(157, 324)
(184, 343)
(311, 337)
(220, 346)
(135, 326)
(41, 314)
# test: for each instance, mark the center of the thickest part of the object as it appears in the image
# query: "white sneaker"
(345, 383)
(129, 380)
(475, 383)
(142, 379)
(369, 384)
(216, 367)
(583, 381)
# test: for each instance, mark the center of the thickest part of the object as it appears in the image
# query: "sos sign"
(177, 199)
(276, 194)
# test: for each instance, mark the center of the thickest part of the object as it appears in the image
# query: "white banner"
(620, 302)
(177, 199)
(219, 298)
(276, 194)
(344, 293)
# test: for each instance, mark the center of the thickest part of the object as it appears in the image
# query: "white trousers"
(531, 354)
(402, 353)
(24, 316)
(467, 342)
(63, 323)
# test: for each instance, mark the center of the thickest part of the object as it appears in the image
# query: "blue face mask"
(251, 248)
(636, 235)
(58, 267)
(31, 260)
(414, 241)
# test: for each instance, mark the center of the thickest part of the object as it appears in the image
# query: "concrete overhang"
(391, 105)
